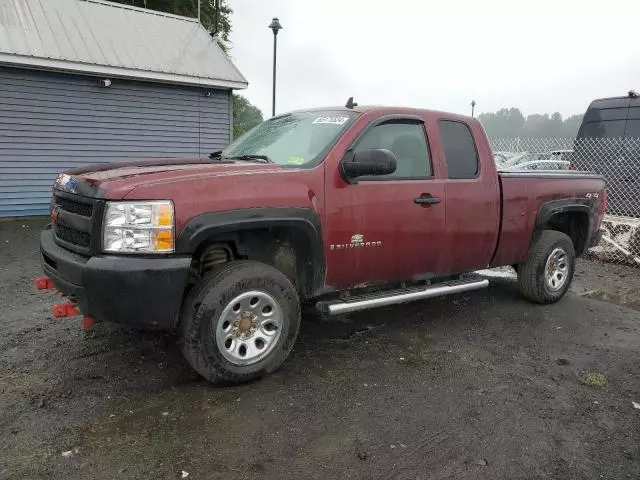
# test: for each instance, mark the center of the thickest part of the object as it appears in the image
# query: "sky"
(542, 56)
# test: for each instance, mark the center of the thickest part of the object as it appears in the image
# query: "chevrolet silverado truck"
(344, 208)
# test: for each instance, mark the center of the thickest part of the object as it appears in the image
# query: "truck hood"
(116, 180)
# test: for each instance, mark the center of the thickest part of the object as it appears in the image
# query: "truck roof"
(615, 102)
(389, 110)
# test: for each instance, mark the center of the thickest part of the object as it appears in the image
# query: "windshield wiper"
(264, 158)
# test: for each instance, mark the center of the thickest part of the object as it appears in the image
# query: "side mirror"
(375, 161)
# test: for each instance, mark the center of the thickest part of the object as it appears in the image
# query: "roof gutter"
(36, 63)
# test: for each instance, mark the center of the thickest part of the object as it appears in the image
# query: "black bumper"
(120, 289)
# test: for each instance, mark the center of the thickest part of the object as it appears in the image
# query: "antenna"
(350, 103)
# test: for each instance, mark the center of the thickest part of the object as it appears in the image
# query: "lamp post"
(275, 28)
(473, 106)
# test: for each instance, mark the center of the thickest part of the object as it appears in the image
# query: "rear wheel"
(546, 274)
(240, 322)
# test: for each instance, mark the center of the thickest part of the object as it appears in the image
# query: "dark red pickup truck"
(344, 208)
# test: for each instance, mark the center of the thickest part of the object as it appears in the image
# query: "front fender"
(304, 221)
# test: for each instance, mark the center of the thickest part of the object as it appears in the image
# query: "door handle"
(426, 200)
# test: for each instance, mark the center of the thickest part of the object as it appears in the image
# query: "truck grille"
(72, 206)
(73, 218)
(69, 235)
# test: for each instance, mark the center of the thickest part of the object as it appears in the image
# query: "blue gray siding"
(51, 122)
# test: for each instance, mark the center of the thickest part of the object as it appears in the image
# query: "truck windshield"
(293, 139)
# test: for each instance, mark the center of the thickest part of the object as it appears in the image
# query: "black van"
(617, 157)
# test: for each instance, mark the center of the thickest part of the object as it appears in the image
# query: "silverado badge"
(357, 241)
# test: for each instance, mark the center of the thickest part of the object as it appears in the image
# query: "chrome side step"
(393, 297)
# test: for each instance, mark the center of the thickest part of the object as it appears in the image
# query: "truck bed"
(522, 196)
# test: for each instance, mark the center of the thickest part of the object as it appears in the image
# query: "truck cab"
(346, 208)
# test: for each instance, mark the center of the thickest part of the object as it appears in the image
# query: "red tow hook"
(66, 309)
(87, 323)
(70, 309)
(43, 283)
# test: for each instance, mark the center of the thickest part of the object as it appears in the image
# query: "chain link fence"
(617, 159)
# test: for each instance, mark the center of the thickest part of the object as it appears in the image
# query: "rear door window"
(605, 118)
(633, 129)
(459, 149)
(634, 113)
(597, 114)
(603, 129)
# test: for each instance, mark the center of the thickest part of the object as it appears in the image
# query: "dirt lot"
(483, 385)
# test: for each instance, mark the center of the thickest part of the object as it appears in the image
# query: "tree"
(571, 125)
(536, 126)
(218, 22)
(506, 122)
(245, 115)
(510, 123)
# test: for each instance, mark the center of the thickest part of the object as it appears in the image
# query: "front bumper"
(121, 289)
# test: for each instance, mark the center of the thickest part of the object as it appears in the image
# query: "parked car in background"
(560, 155)
(502, 157)
(519, 158)
(539, 165)
(608, 143)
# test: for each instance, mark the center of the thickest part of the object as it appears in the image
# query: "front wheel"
(546, 274)
(240, 322)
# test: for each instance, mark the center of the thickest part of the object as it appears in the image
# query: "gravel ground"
(483, 385)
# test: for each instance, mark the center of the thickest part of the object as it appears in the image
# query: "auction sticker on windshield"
(296, 161)
(332, 120)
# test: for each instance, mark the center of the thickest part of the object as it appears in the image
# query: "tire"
(544, 263)
(213, 345)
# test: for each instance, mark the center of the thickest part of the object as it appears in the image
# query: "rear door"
(473, 196)
(386, 228)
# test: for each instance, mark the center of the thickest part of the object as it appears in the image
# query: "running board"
(405, 295)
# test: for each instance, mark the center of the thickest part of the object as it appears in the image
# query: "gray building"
(89, 81)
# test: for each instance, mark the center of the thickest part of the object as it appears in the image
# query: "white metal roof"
(96, 37)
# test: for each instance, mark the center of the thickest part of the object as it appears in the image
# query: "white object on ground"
(621, 248)
(636, 405)
(68, 453)
(184, 474)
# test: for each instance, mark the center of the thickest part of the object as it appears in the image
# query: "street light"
(473, 106)
(275, 27)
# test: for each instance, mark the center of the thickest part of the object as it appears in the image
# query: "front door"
(386, 228)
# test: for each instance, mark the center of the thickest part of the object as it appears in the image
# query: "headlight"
(138, 227)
